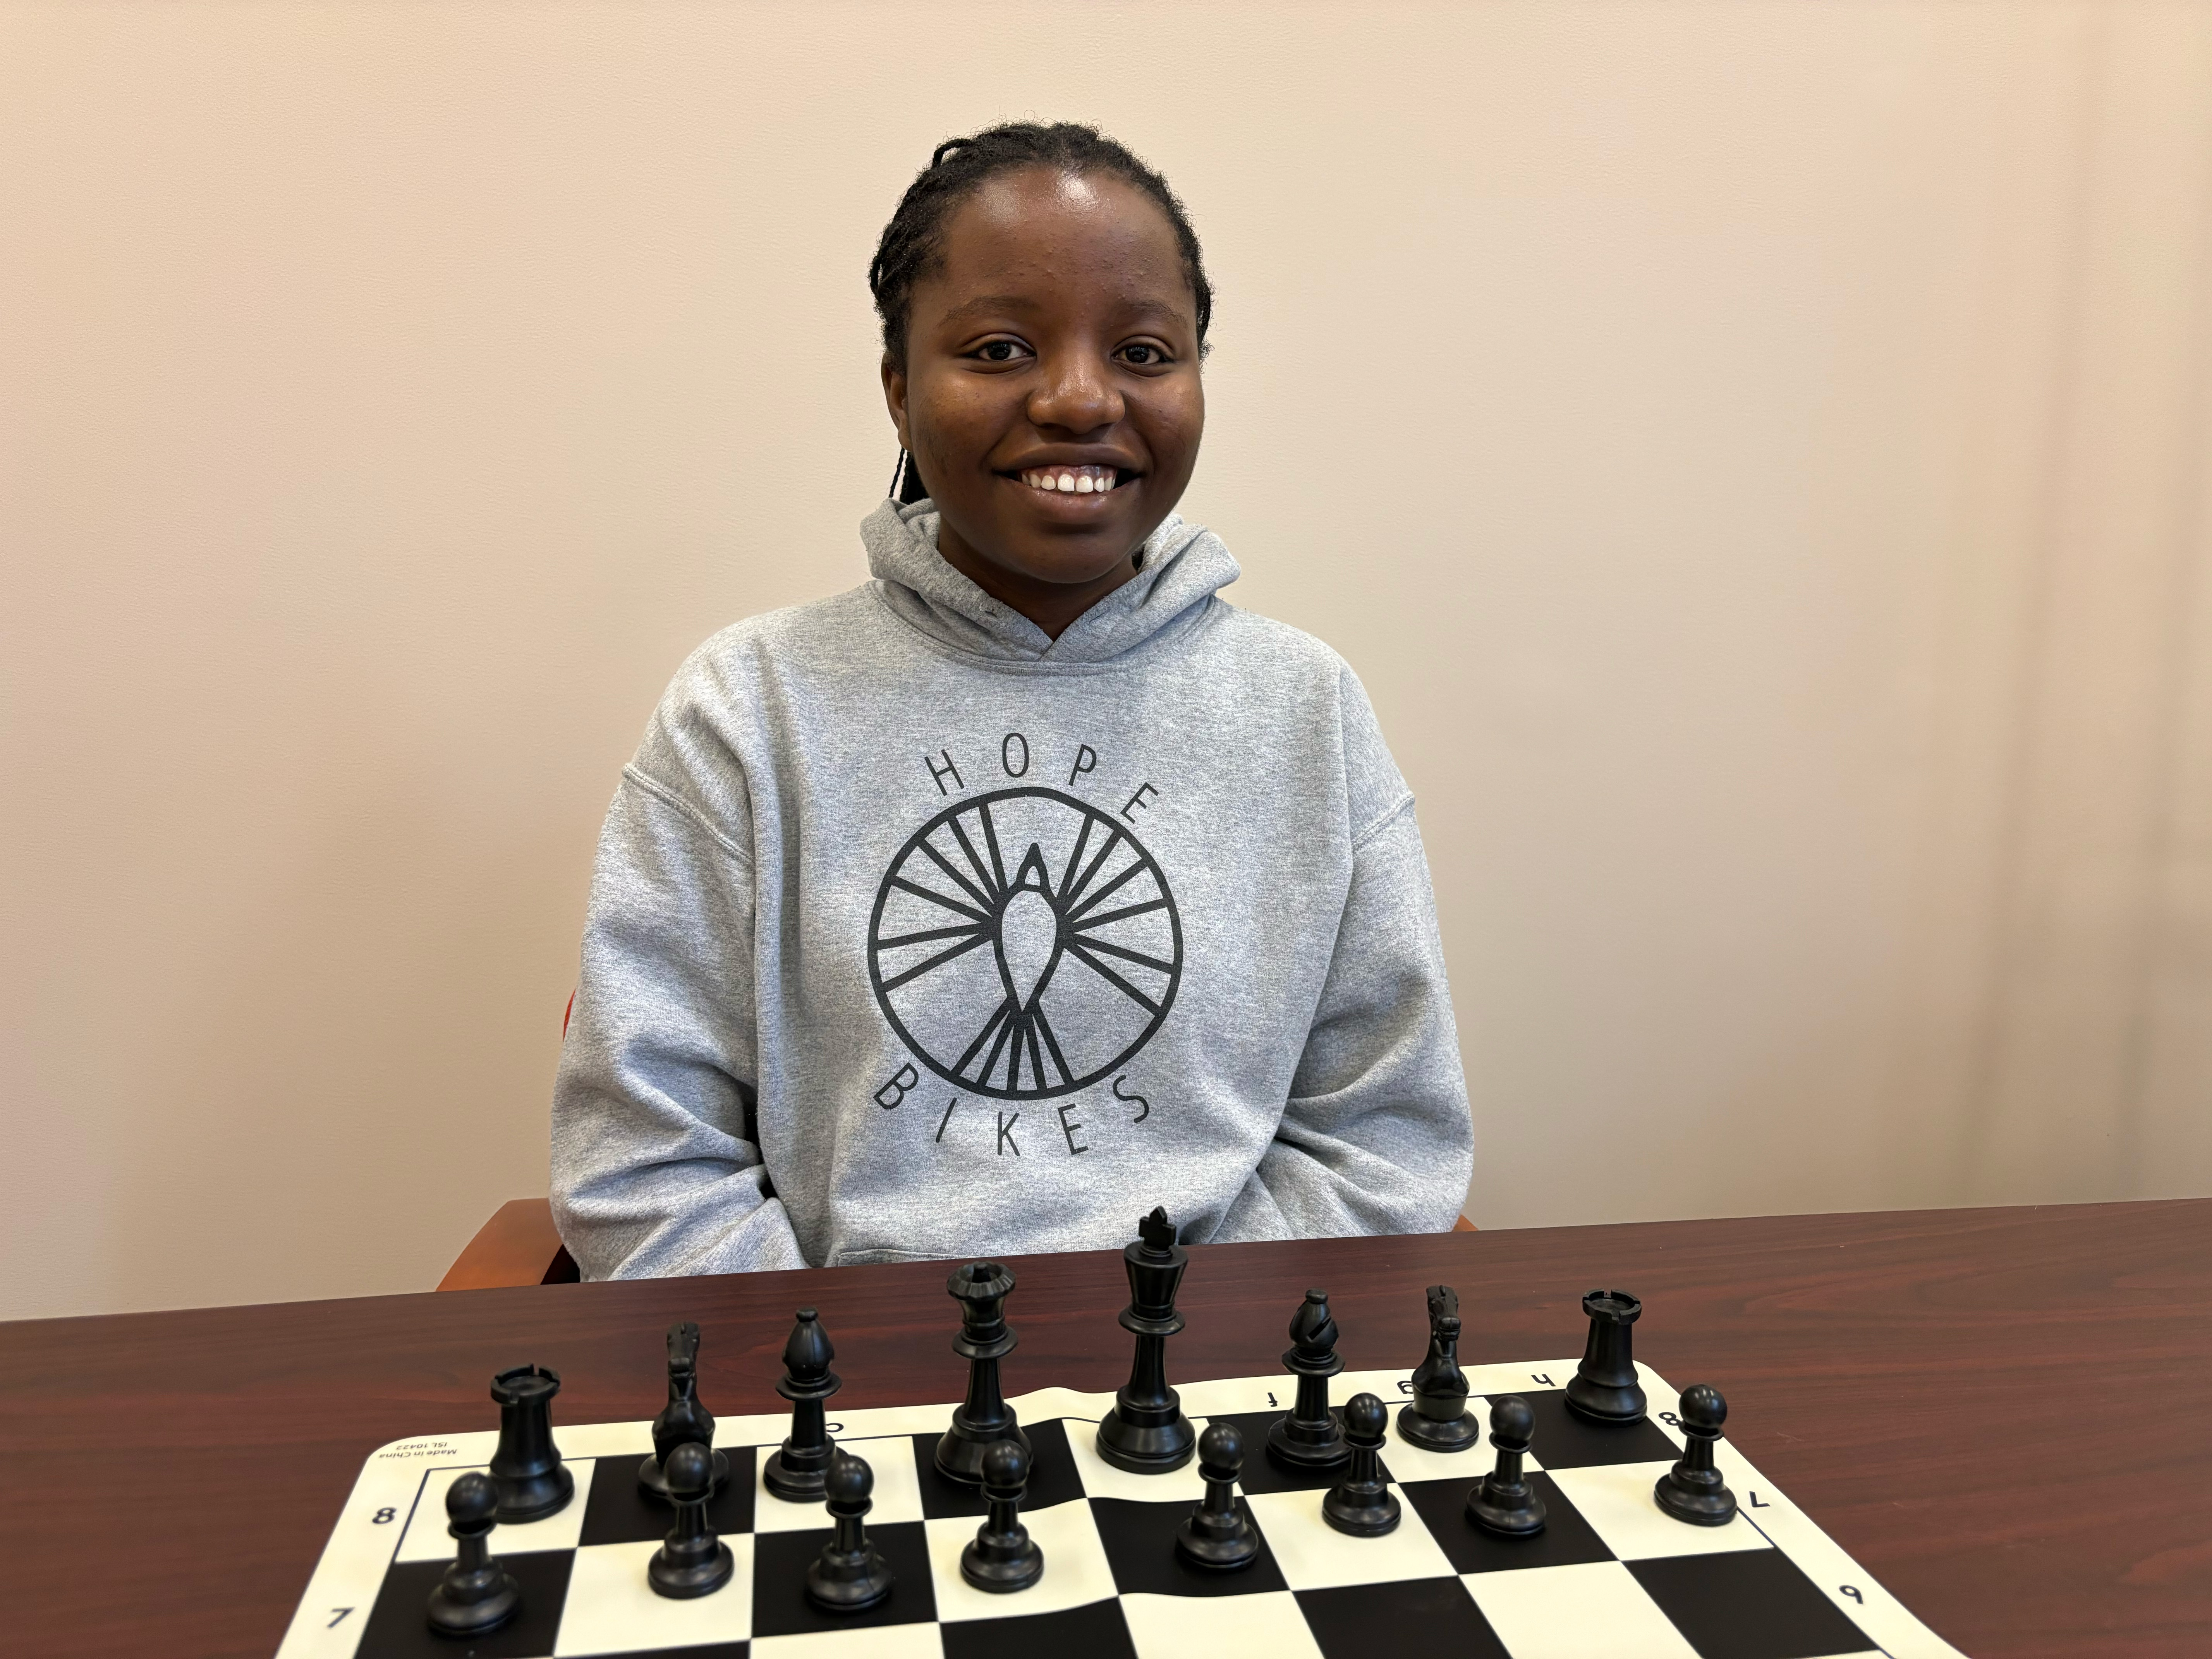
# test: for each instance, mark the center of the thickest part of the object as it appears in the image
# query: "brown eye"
(999, 351)
(1141, 356)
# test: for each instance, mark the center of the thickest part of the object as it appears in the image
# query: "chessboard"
(1610, 1574)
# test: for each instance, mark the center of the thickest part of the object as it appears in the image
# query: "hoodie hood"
(1184, 565)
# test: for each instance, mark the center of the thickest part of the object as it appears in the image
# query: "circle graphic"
(1024, 945)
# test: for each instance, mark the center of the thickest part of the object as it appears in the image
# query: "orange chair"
(518, 1246)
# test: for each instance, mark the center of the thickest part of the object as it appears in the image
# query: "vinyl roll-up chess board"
(1610, 1574)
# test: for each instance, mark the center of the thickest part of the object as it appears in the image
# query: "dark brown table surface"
(2006, 1415)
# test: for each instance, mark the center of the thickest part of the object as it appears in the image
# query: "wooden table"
(2005, 1414)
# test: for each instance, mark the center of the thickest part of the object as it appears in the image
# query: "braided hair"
(913, 242)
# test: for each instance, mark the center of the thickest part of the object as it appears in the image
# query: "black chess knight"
(683, 1420)
(982, 1288)
(1438, 1418)
(1146, 1432)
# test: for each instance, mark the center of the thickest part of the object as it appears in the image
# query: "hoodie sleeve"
(1375, 1136)
(656, 1165)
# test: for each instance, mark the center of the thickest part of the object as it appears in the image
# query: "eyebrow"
(988, 303)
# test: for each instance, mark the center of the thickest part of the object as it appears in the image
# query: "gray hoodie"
(916, 933)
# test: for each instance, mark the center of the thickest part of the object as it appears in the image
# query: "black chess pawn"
(1362, 1504)
(1219, 1535)
(848, 1574)
(796, 1471)
(691, 1561)
(1605, 1385)
(1146, 1432)
(533, 1481)
(683, 1420)
(1693, 1490)
(476, 1595)
(982, 1288)
(1504, 1501)
(1438, 1418)
(1308, 1436)
(1003, 1556)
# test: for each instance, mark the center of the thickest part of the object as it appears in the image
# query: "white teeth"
(1073, 481)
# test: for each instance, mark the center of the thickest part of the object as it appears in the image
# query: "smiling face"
(1050, 395)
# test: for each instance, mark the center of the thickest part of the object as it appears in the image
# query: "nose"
(1076, 392)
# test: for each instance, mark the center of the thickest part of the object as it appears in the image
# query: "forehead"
(1063, 235)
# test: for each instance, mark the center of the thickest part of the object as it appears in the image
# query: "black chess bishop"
(982, 1288)
(476, 1595)
(1438, 1418)
(848, 1576)
(1308, 1436)
(1504, 1501)
(683, 1420)
(1002, 1557)
(1605, 1386)
(691, 1561)
(1693, 1490)
(1145, 1432)
(1219, 1535)
(526, 1469)
(796, 1471)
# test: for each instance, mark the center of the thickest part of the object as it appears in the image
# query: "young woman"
(983, 908)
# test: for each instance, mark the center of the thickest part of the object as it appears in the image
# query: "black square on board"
(1748, 1604)
(1094, 1631)
(780, 1564)
(1053, 1475)
(1413, 1615)
(1139, 1542)
(1566, 1541)
(620, 1511)
(1262, 1471)
(1566, 1439)
(399, 1627)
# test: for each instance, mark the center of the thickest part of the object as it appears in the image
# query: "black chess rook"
(797, 1470)
(1219, 1535)
(1362, 1504)
(1605, 1385)
(1003, 1557)
(982, 1288)
(848, 1576)
(476, 1595)
(1438, 1419)
(1504, 1501)
(1694, 1491)
(683, 1420)
(526, 1469)
(1145, 1432)
(1308, 1436)
(691, 1561)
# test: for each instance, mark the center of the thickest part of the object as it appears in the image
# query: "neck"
(1053, 606)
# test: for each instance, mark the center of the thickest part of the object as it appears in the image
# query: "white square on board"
(1177, 1627)
(1314, 1555)
(1596, 1611)
(612, 1607)
(1076, 1571)
(897, 1496)
(915, 1641)
(427, 1539)
(1101, 1479)
(1616, 1499)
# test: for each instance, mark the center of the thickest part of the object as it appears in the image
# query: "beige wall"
(1756, 455)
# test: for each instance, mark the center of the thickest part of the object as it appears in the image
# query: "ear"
(895, 399)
